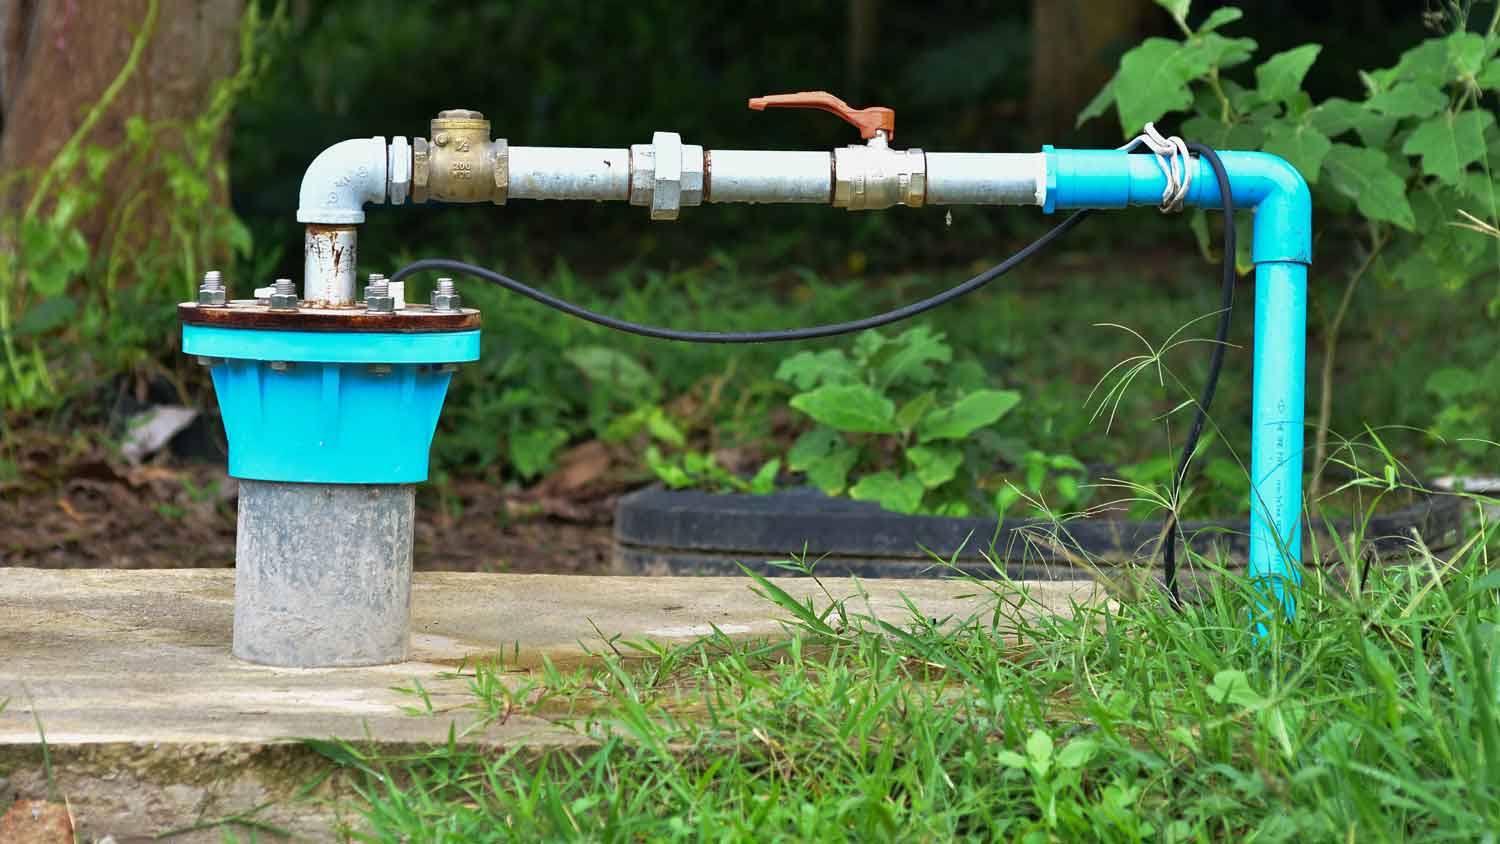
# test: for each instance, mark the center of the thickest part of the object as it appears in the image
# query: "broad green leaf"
(1410, 99)
(897, 493)
(1076, 753)
(603, 365)
(1177, 9)
(1233, 687)
(45, 316)
(1098, 105)
(813, 445)
(1335, 116)
(1214, 50)
(912, 412)
(1206, 130)
(1220, 17)
(1426, 62)
(764, 481)
(855, 408)
(1364, 175)
(1039, 751)
(935, 466)
(1300, 144)
(806, 370)
(1448, 144)
(661, 426)
(1011, 759)
(1280, 76)
(908, 358)
(1466, 54)
(1452, 382)
(831, 472)
(1489, 77)
(531, 449)
(967, 415)
(1153, 80)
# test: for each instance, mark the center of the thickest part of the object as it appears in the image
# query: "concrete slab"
(153, 726)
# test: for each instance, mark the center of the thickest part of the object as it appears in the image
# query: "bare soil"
(70, 503)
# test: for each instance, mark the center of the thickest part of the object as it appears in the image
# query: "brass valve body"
(460, 163)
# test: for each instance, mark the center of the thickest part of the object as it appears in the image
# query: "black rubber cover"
(663, 531)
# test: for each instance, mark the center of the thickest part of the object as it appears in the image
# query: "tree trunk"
(1076, 45)
(57, 58)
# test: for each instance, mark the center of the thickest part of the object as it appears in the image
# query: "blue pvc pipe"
(1282, 251)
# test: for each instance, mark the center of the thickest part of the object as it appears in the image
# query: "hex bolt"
(380, 370)
(445, 297)
(205, 360)
(284, 296)
(280, 366)
(378, 298)
(211, 293)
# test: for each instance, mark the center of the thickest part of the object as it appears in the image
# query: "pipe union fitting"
(665, 175)
(874, 176)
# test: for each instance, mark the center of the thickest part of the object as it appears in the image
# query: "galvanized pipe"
(329, 256)
(986, 178)
(741, 175)
(569, 173)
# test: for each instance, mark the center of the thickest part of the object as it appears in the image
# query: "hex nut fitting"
(211, 293)
(420, 169)
(284, 295)
(445, 297)
(398, 169)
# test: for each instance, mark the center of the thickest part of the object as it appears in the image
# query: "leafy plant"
(1397, 173)
(171, 219)
(920, 439)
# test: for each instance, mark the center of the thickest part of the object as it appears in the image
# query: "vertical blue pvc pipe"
(1281, 251)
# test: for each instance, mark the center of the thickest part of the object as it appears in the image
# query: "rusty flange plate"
(253, 313)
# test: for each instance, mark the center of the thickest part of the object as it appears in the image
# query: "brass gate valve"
(869, 176)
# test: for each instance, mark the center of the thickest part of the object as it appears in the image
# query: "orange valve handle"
(867, 120)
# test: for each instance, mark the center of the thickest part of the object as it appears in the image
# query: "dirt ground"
(73, 505)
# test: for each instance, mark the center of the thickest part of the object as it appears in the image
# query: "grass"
(1374, 716)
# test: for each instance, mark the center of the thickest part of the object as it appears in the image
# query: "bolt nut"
(205, 360)
(284, 295)
(212, 293)
(378, 298)
(380, 370)
(279, 366)
(445, 297)
(398, 169)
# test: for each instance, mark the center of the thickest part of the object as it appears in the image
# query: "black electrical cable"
(1216, 363)
(781, 336)
(906, 312)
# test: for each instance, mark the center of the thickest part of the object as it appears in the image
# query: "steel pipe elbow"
(341, 180)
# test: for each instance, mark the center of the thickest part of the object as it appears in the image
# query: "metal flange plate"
(255, 314)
